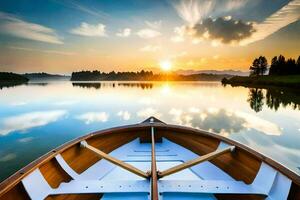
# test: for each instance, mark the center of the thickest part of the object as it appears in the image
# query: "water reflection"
(92, 117)
(274, 98)
(255, 99)
(34, 119)
(222, 121)
(27, 121)
(38, 83)
(8, 85)
(98, 85)
(87, 85)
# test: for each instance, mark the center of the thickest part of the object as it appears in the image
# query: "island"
(143, 76)
(9, 79)
(282, 72)
(42, 76)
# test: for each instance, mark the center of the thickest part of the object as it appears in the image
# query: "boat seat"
(97, 186)
(208, 186)
(36, 186)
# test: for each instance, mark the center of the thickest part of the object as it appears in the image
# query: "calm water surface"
(37, 117)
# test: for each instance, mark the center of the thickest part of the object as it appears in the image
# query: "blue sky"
(67, 35)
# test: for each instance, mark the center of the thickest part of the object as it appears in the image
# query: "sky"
(61, 36)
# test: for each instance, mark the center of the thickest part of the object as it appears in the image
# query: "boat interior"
(152, 160)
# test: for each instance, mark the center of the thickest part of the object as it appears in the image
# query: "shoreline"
(291, 81)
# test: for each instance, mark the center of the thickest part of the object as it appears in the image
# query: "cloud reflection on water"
(8, 157)
(223, 121)
(92, 117)
(147, 112)
(125, 115)
(26, 121)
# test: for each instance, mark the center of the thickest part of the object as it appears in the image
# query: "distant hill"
(45, 76)
(219, 72)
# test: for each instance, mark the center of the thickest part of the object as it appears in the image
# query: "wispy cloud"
(65, 53)
(283, 17)
(26, 121)
(193, 11)
(82, 8)
(150, 48)
(154, 24)
(124, 33)
(92, 117)
(90, 30)
(148, 33)
(11, 25)
(180, 33)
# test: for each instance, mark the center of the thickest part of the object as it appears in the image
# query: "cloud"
(281, 18)
(95, 13)
(154, 24)
(223, 29)
(8, 157)
(124, 33)
(65, 53)
(193, 11)
(13, 26)
(125, 115)
(234, 4)
(26, 121)
(90, 30)
(148, 33)
(150, 48)
(180, 33)
(91, 117)
(147, 112)
(198, 16)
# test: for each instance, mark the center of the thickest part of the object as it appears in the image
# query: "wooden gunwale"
(13, 180)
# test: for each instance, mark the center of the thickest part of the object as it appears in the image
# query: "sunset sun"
(165, 65)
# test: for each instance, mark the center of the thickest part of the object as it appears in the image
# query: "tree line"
(143, 76)
(98, 76)
(279, 66)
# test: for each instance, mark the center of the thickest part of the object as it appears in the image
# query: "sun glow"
(165, 65)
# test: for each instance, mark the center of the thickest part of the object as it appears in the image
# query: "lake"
(38, 117)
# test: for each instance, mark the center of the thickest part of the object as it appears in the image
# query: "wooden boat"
(152, 160)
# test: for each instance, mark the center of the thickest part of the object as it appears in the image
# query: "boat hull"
(242, 165)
